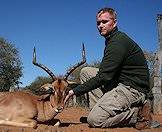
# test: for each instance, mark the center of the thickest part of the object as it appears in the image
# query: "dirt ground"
(70, 122)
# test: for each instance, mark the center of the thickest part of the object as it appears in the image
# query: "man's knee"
(97, 117)
(94, 121)
(85, 71)
(88, 72)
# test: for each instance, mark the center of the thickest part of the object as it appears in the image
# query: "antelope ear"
(70, 82)
(43, 91)
(46, 94)
(73, 85)
(44, 97)
(50, 91)
(67, 90)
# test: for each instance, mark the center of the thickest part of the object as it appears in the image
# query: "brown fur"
(24, 109)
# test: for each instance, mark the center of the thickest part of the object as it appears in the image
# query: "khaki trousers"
(114, 108)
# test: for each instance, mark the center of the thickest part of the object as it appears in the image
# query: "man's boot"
(144, 117)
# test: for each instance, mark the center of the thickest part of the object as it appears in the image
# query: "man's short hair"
(109, 10)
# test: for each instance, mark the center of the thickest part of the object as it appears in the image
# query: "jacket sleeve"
(113, 56)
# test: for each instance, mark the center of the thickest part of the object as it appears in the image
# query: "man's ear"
(115, 23)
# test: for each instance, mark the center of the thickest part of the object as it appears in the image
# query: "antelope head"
(59, 86)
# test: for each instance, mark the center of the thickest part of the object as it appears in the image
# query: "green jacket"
(123, 62)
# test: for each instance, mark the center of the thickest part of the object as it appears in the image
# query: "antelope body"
(25, 109)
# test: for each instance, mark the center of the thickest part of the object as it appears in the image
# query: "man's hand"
(70, 94)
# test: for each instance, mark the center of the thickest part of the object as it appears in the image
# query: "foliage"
(150, 57)
(94, 64)
(10, 65)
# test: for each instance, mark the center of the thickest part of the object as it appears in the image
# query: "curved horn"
(42, 66)
(78, 64)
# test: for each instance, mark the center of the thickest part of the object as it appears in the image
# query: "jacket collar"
(112, 33)
(107, 38)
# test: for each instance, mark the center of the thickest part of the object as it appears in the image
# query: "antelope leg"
(20, 122)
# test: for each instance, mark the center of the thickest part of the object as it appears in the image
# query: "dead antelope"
(25, 109)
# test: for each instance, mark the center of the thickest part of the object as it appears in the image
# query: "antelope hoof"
(57, 123)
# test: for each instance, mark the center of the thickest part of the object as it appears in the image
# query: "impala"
(26, 110)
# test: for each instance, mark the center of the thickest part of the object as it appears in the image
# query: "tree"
(150, 57)
(10, 65)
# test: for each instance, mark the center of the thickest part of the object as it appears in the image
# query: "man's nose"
(100, 25)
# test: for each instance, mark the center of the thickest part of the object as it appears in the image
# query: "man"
(120, 88)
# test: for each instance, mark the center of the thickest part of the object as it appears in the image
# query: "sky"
(57, 28)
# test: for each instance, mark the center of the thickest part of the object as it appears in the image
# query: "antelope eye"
(51, 90)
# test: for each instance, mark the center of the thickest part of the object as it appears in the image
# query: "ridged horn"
(42, 66)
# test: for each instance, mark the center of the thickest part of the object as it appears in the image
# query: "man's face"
(105, 23)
